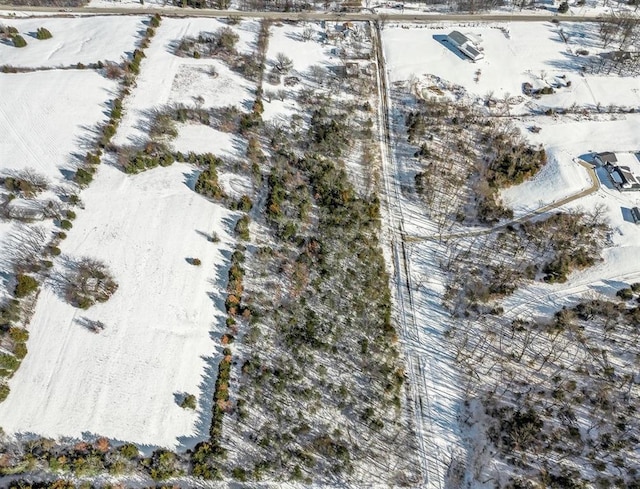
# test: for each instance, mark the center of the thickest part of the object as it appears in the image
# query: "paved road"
(354, 16)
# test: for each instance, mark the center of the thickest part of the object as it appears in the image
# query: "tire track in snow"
(419, 394)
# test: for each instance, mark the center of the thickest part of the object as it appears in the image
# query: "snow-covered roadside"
(434, 392)
(75, 40)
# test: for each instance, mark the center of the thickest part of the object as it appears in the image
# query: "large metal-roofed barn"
(466, 45)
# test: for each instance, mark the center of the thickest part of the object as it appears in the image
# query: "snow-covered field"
(75, 40)
(160, 325)
(514, 53)
(48, 117)
(46, 122)
(166, 78)
(160, 339)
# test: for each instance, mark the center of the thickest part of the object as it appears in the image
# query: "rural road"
(414, 16)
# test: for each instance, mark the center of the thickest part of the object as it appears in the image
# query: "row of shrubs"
(204, 458)
(13, 339)
(206, 455)
(84, 175)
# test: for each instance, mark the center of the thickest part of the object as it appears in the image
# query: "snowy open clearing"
(288, 39)
(75, 40)
(65, 106)
(124, 382)
(159, 340)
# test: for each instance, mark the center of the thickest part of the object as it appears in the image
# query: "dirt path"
(417, 367)
(595, 186)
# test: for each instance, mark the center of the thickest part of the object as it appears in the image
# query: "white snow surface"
(46, 117)
(68, 104)
(75, 40)
(161, 323)
(205, 139)
(566, 140)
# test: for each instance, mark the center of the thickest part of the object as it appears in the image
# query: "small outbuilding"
(465, 45)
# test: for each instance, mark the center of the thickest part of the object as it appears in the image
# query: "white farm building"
(466, 45)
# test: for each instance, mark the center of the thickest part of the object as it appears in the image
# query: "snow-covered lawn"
(565, 140)
(514, 53)
(75, 40)
(161, 324)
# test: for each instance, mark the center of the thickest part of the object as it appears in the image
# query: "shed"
(635, 214)
(352, 69)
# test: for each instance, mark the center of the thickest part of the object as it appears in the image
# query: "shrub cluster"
(133, 66)
(242, 228)
(27, 184)
(89, 281)
(328, 133)
(18, 41)
(43, 34)
(149, 158)
(14, 341)
(513, 165)
(25, 285)
(220, 43)
(207, 183)
(188, 402)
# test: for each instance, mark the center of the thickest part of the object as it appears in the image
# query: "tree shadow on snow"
(190, 179)
(569, 62)
(605, 178)
(206, 388)
(609, 287)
